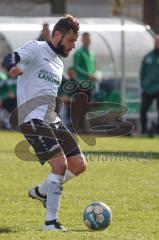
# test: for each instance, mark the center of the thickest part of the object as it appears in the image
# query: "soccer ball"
(97, 216)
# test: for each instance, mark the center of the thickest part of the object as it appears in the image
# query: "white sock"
(68, 175)
(43, 188)
(54, 191)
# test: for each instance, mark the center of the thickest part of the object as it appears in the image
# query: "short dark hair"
(85, 34)
(45, 24)
(65, 24)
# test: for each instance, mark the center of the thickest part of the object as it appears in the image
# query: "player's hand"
(15, 72)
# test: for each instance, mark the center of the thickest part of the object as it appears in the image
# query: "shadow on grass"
(84, 231)
(5, 230)
(79, 230)
(69, 230)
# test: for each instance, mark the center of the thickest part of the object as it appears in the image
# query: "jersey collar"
(52, 47)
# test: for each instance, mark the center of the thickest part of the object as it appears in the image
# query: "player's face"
(86, 40)
(46, 30)
(67, 43)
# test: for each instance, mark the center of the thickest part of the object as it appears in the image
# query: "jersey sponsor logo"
(48, 76)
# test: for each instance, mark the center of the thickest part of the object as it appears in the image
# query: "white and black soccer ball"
(97, 216)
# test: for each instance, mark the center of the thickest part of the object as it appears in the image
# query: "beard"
(61, 50)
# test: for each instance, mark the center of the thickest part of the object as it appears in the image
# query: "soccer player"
(39, 70)
(85, 66)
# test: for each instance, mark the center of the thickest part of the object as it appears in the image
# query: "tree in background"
(150, 11)
(151, 14)
(117, 7)
(57, 6)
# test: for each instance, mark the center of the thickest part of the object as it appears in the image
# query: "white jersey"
(37, 87)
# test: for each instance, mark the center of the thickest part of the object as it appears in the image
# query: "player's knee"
(82, 165)
(77, 164)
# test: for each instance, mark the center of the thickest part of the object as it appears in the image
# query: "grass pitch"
(126, 178)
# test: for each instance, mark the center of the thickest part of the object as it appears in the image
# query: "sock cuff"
(55, 178)
(68, 175)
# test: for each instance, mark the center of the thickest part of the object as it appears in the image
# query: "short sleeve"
(28, 51)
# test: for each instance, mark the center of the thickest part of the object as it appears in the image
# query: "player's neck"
(52, 46)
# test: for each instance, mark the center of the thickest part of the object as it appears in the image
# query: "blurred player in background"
(40, 74)
(149, 79)
(45, 33)
(85, 67)
(67, 88)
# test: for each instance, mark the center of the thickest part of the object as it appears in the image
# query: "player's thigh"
(146, 101)
(66, 141)
(58, 163)
(42, 138)
(75, 159)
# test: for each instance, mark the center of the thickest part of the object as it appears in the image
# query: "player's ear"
(57, 35)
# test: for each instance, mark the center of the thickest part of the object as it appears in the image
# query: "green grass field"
(127, 179)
